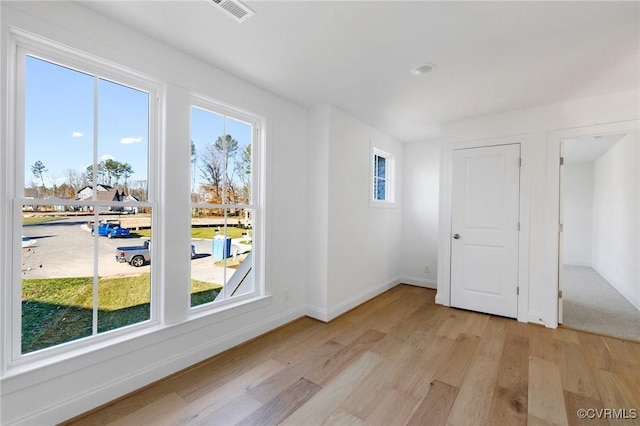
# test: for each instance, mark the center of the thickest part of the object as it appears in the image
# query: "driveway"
(65, 249)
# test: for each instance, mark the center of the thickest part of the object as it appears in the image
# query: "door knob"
(456, 236)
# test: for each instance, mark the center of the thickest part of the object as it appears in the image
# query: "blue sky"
(207, 126)
(59, 123)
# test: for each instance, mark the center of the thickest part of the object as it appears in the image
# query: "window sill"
(383, 204)
(25, 372)
(228, 310)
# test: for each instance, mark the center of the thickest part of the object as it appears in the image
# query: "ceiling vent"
(236, 10)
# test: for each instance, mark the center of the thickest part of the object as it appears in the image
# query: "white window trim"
(20, 45)
(123, 339)
(390, 190)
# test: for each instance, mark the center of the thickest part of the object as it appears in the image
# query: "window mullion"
(224, 261)
(96, 215)
(224, 163)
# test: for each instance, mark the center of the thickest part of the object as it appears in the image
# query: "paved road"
(65, 249)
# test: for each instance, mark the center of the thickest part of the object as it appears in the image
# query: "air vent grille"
(233, 8)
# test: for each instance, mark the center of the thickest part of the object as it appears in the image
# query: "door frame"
(443, 295)
(552, 244)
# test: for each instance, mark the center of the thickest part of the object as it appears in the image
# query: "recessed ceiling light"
(423, 69)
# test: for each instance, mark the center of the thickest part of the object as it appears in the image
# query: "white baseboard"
(617, 287)
(329, 314)
(419, 282)
(317, 313)
(623, 291)
(96, 397)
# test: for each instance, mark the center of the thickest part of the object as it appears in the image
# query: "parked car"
(134, 255)
(139, 255)
(110, 230)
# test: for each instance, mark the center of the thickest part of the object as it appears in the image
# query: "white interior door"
(484, 222)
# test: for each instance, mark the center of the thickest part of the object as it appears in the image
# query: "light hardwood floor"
(398, 359)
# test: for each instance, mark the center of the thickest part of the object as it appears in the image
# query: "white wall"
(616, 217)
(362, 243)
(318, 212)
(536, 125)
(577, 194)
(421, 178)
(49, 392)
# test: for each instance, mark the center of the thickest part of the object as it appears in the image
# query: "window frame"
(21, 45)
(389, 200)
(256, 203)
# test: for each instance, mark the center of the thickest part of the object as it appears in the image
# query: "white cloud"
(76, 135)
(127, 141)
(107, 157)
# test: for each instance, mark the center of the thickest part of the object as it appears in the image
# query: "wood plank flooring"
(398, 359)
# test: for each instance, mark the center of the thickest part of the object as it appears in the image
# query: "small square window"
(380, 178)
(382, 185)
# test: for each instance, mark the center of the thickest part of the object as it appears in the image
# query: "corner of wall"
(418, 282)
(420, 210)
(317, 206)
(359, 299)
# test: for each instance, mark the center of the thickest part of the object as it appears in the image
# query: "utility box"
(221, 247)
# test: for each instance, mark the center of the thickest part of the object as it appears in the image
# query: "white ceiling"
(588, 149)
(357, 55)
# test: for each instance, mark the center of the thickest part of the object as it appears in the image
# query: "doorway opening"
(599, 275)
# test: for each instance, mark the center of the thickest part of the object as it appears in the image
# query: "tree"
(244, 173)
(211, 172)
(76, 180)
(99, 174)
(65, 190)
(126, 171)
(32, 183)
(139, 190)
(38, 169)
(194, 161)
(227, 148)
(111, 170)
(52, 177)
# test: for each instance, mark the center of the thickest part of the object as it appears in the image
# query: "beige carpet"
(592, 304)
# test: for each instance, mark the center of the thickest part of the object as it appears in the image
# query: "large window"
(88, 216)
(83, 199)
(224, 208)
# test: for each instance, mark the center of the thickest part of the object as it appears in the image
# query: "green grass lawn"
(38, 219)
(203, 292)
(206, 233)
(59, 310)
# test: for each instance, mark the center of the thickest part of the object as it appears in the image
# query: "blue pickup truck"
(111, 230)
